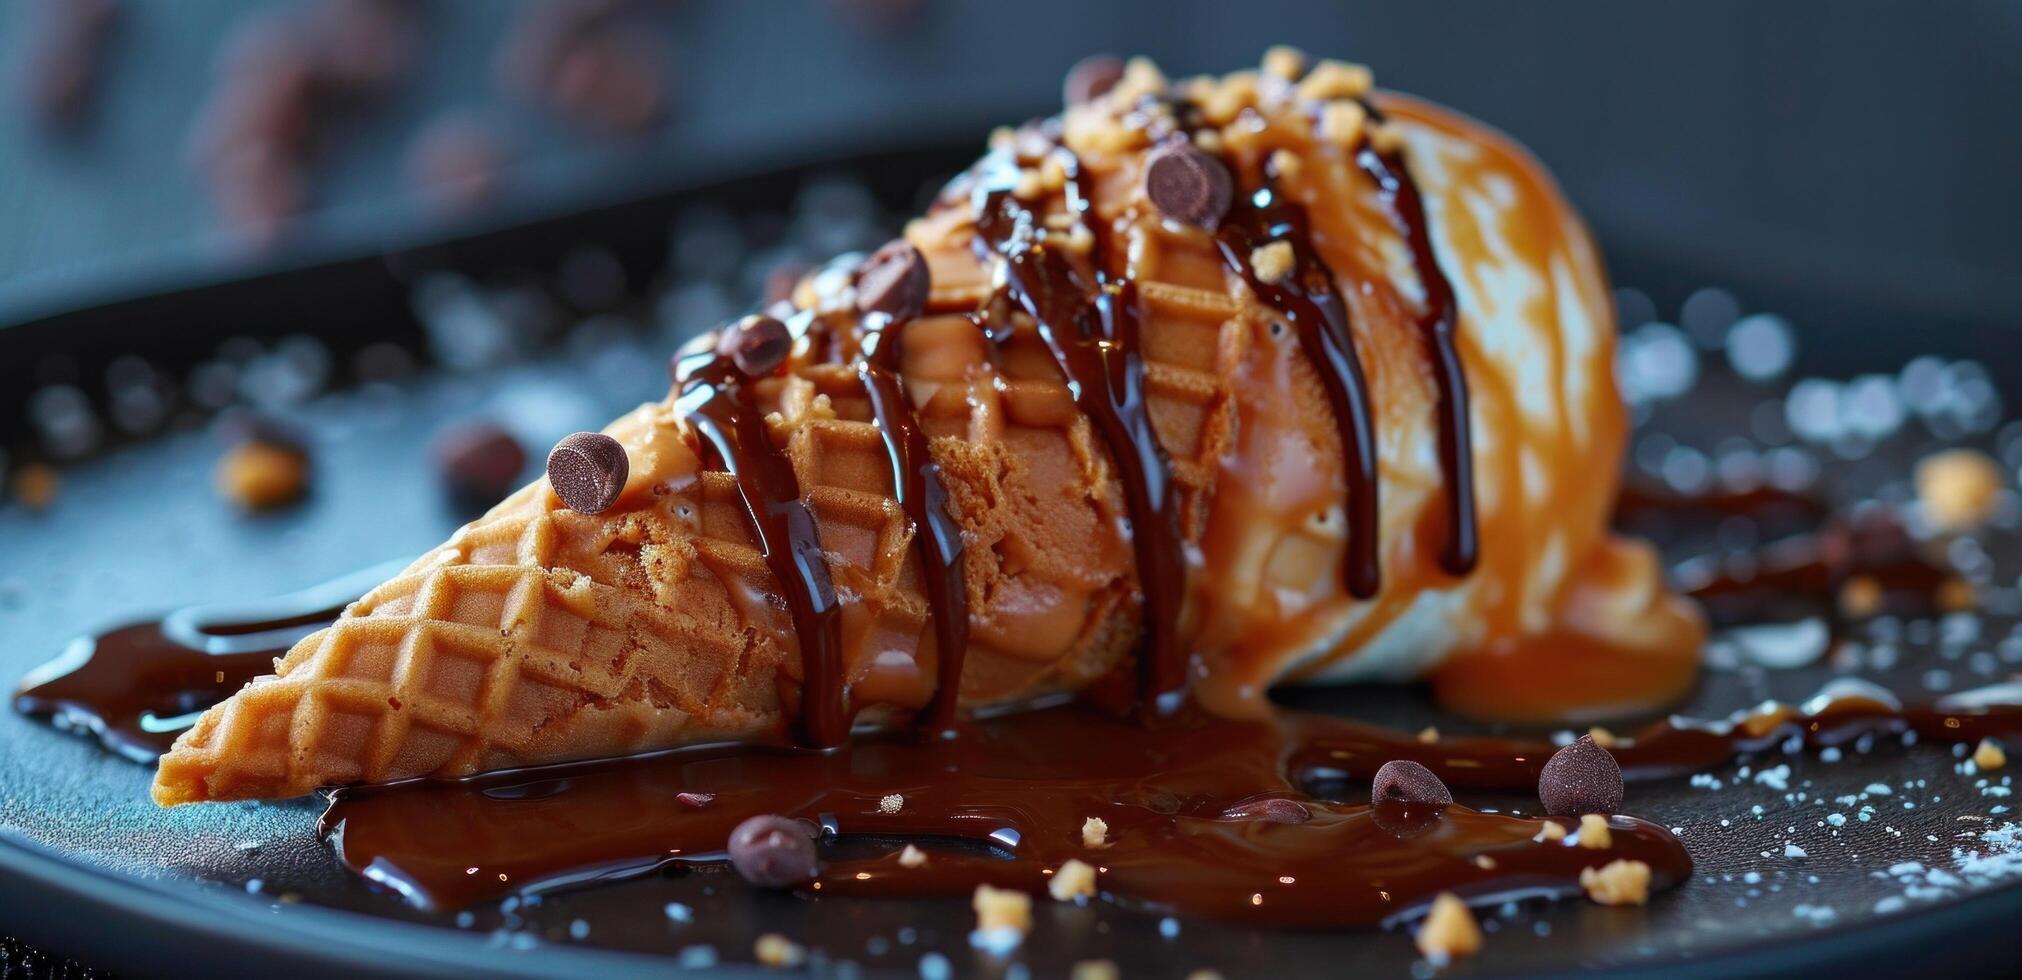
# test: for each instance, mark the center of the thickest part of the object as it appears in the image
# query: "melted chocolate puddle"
(135, 688)
(1003, 804)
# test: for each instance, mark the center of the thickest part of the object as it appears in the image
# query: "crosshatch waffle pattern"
(538, 634)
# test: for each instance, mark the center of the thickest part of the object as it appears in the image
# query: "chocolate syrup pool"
(1005, 802)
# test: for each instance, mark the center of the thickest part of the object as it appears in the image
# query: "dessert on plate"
(1204, 386)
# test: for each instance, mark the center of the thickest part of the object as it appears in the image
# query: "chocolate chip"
(1581, 778)
(1091, 77)
(1187, 185)
(757, 344)
(773, 852)
(1271, 809)
(479, 462)
(1403, 781)
(782, 279)
(894, 281)
(588, 471)
(695, 801)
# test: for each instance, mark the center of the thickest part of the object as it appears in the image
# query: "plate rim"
(52, 900)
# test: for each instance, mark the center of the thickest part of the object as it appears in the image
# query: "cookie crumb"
(1860, 597)
(1484, 862)
(1959, 488)
(1603, 737)
(1619, 882)
(1341, 122)
(1285, 61)
(1331, 80)
(1990, 755)
(1594, 832)
(1095, 970)
(1450, 931)
(1002, 908)
(260, 475)
(36, 485)
(1428, 735)
(773, 949)
(1095, 832)
(1552, 830)
(912, 857)
(1273, 262)
(1284, 164)
(1141, 77)
(1386, 138)
(1075, 879)
(1957, 595)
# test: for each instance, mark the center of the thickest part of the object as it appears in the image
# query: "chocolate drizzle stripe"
(1438, 323)
(937, 538)
(712, 399)
(1092, 331)
(1309, 299)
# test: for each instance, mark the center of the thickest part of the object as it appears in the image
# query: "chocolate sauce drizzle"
(937, 538)
(1309, 300)
(713, 400)
(1438, 322)
(1091, 327)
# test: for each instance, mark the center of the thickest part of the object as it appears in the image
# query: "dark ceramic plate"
(1895, 857)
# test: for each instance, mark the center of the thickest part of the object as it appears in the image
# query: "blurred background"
(207, 204)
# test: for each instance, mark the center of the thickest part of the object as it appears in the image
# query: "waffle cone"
(538, 634)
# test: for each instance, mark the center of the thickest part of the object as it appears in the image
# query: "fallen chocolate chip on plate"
(1581, 778)
(479, 462)
(1404, 781)
(588, 471)
(1187, 185)
(894, 281)
(772, 851)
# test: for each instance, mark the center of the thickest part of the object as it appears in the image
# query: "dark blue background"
(1860, 150)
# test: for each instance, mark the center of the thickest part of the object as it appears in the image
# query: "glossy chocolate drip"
(937, 538)
(1438, 322)
(1002, 804)
(713, 400)
(1091, 328)
(1309, 300)
(1335, 749)
(136, 687)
